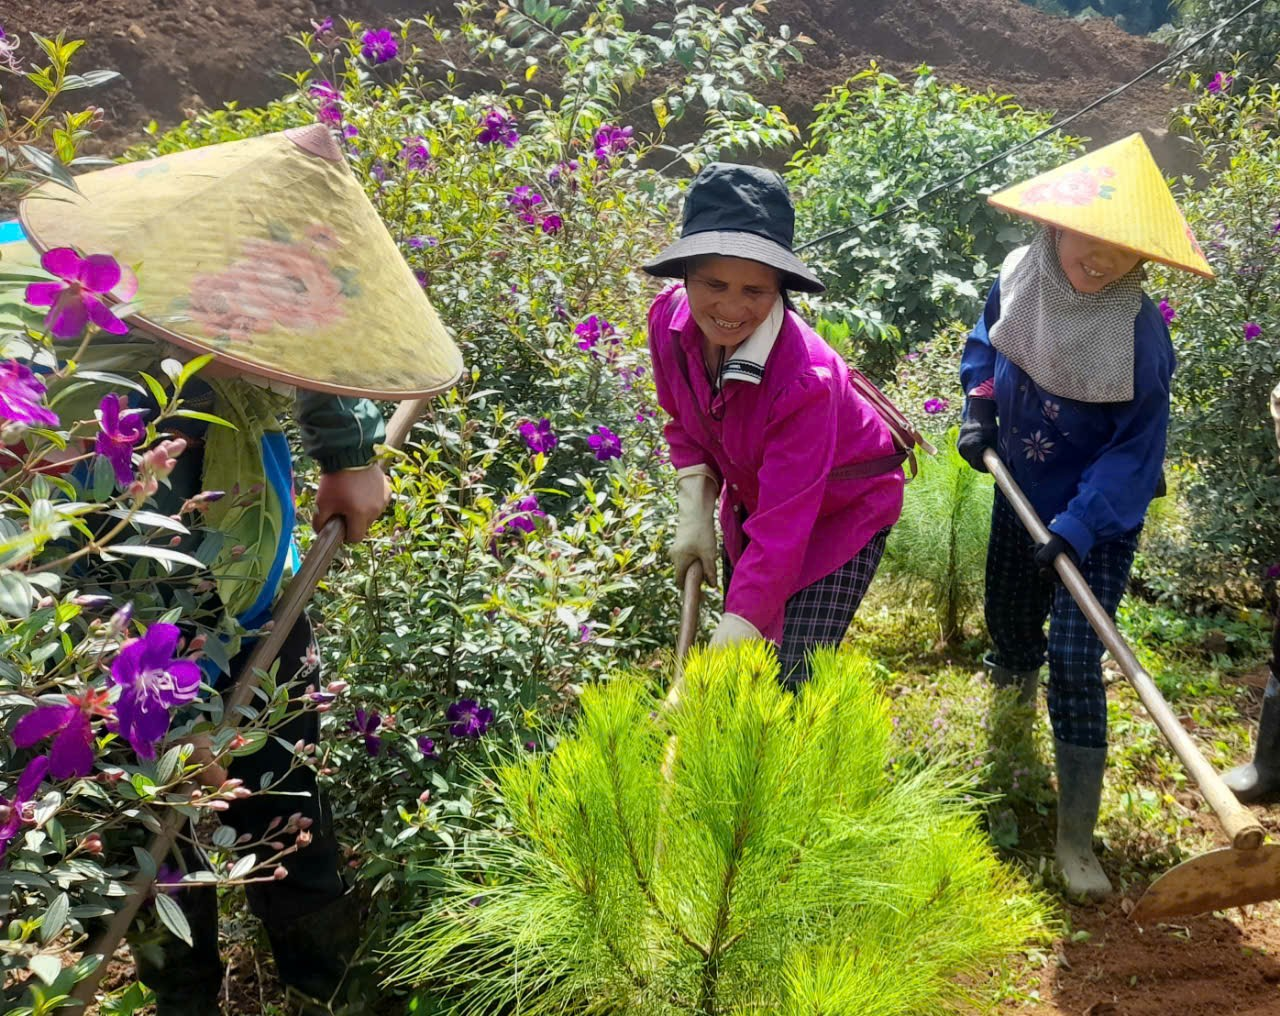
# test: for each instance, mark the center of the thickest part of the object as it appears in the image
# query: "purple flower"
(20, 395)
(427, 747)
(70, 726)
(1167, 312)
(560, 169)
(468, 719)
(524, 200)
(539, 436)
(1251, 330)
(524, 517)
(591, 331)
(76, 299)
(606, 444)
(366, 725)
(584, 633)
(1274, 571)
(552, 224)
(11, 811)
(323, 27)
(350, 131)
(418, 242)
(152, 682)
(378, 171)
(379, 46)
(531, 746)
(326, 99)
(497, 128)
(168, 881)
(935, 406)
(611, 141)
(415, 153)
(1221, 83)
(118, 434)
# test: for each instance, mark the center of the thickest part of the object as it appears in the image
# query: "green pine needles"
(938, 547)
(779, 869)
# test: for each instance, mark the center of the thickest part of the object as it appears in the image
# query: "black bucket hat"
(740, 212)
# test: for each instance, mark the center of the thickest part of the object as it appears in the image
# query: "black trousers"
(175, 970)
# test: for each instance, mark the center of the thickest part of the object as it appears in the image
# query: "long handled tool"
(690, 605)
(1247, 871)
(289, 608)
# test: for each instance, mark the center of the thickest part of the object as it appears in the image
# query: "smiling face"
(1091, 265)
(730, 297)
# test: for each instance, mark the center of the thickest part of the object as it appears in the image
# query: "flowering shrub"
(526, 549)
(105, 606)
(878, 142)
(1221, 536)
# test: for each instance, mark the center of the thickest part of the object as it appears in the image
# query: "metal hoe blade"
(1217, 880)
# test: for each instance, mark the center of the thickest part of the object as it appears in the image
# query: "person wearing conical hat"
(266, 254)
(764, 419)
(1067, 376)
(1258, 780)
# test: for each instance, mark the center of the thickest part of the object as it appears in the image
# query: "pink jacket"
(790, 423)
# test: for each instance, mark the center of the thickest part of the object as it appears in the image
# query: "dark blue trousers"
(1019, 599)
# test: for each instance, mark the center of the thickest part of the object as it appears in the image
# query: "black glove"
(1047, 553)
(978, 432)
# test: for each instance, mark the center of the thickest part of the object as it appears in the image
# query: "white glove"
(734, 628)
(696, 494)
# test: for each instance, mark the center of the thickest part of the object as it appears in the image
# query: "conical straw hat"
(266, 253)
(1116, 194)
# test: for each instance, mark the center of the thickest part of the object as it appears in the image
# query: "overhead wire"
(1023, 145)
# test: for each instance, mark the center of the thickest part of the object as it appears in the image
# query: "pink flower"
(76, 300)
(935, 406)
(1167, 312)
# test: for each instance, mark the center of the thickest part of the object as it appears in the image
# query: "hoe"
(1246, 872)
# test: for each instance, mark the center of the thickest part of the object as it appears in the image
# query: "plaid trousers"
(821, 612)
(1019, 598)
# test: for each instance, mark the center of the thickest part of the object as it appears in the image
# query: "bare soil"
(180, 56)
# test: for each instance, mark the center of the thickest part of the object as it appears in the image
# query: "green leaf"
(45, 967)
(16, 594)
(157, 389)
(168, 764)
(172, 917)
(163, 554)
(55, 918)
(89, 79)
(104, 478)
(48, 166)
(193, 414)
(146, 863)
(242, 867)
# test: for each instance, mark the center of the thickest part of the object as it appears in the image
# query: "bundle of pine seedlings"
(778, 868)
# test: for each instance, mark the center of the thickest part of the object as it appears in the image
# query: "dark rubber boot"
(1080, 772)
(185, 978)
(1259, 780)
(1026, 681)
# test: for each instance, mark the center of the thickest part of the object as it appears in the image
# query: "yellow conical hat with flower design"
(1116, 194)
(267, 254)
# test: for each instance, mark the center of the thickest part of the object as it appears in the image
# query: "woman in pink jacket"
(764, 419)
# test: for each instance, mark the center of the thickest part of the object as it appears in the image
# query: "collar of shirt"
(748, 360)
